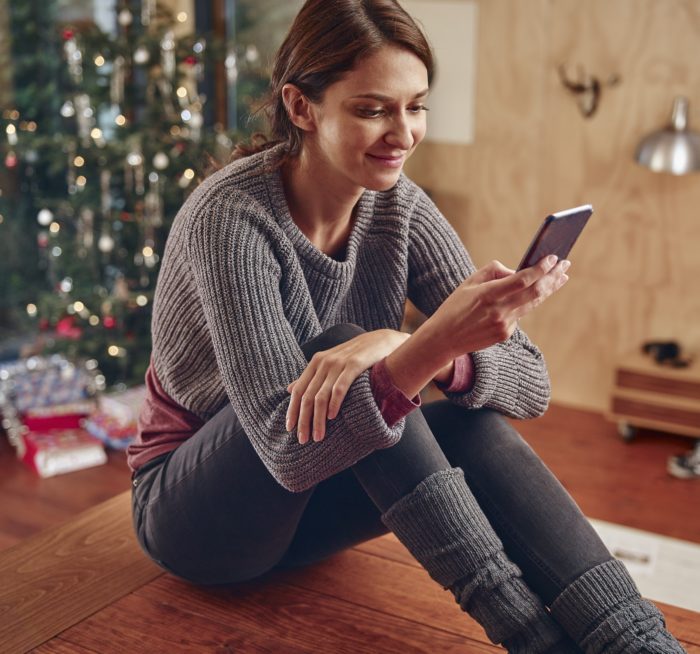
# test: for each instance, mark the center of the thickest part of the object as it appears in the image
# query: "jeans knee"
(331, 337)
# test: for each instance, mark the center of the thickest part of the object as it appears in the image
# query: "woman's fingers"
(535, 295)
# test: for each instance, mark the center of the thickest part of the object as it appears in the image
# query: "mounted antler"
(586, 88)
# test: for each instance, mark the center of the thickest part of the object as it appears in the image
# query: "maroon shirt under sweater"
(163, 424)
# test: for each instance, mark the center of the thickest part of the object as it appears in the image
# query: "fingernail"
(565, 265)
(552, 259)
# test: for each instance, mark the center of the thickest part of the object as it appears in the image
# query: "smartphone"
(557, 235)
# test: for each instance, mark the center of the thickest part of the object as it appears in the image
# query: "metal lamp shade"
(674, 149)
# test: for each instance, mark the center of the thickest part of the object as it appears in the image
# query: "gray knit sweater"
(241, 288)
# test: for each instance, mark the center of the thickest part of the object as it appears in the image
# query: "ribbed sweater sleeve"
(511, 376)
(239, 278)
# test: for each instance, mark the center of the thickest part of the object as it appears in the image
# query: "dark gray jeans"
(210, 512)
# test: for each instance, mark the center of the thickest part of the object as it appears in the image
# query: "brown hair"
(326, 40)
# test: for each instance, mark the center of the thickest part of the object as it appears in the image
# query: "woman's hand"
(320, 390)
(484, 309)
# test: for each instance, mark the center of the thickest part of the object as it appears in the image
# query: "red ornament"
(191, 60)
(68, 34)
(42, 239)
(11, 159)
(66, 327)
(109, 322)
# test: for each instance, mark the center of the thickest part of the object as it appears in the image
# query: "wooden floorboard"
(31, 504)
(64, 574)
(267, 616)
(624, 483)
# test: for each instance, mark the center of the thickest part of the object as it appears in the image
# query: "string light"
(78, 162)
(120, 120)
(99, 61)
(31, 309)
(54, 227)
(181, 92)
(94, 320)
(142, 300)
(147, 251)
(182, 17)
(78, 306)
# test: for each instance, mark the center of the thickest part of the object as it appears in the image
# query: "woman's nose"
(400, 134)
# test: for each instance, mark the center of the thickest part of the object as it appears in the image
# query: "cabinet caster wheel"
(627, 432)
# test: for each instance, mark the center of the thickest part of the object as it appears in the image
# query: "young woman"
(284, 423)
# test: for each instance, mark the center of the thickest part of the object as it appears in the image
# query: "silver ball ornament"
(141, 55)
(45, 217)
(160, 161)
(105, 243)
(125, 18)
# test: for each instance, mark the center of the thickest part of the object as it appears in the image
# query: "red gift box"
(59, 416)
(61, 450)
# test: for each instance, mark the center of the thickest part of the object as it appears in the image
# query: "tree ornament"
(105, 243)
(116, 86)
(42, 239)
(125, 18)
(67, 109)
(85, 232)
(141, 55)
(105, 193)
(85, 117)
(148, 9)
(109, 322)
(45, 217)
(167, 48)
(67, 328)
(11, 159)
(74, 57)
(160, 161)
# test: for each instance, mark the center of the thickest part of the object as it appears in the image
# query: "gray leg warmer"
(442, 525)
(605, 614)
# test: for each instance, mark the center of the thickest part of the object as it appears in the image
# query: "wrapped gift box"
(111, 431)
(58, 416)
(124, 406)
(61, 450)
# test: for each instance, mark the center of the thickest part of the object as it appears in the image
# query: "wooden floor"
(373, 598)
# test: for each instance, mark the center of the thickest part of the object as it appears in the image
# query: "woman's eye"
(370, 113)
(418, 108)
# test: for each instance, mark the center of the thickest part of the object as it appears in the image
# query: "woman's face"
(369, 122)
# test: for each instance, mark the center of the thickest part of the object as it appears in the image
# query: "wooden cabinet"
(647, 394)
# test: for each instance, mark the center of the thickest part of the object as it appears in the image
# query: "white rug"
(665, 569)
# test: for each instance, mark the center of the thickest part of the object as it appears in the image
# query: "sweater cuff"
(462, 379)
(392, 402)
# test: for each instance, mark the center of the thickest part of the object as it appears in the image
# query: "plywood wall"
(635, 271)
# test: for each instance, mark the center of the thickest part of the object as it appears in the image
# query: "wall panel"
(635, 270)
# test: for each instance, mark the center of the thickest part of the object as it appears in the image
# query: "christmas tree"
(104, 138)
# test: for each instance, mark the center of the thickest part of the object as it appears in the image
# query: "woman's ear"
(298, 107)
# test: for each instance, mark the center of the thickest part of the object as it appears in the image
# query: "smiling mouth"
(390, 162)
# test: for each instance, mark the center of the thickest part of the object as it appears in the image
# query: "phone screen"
(557, 235)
